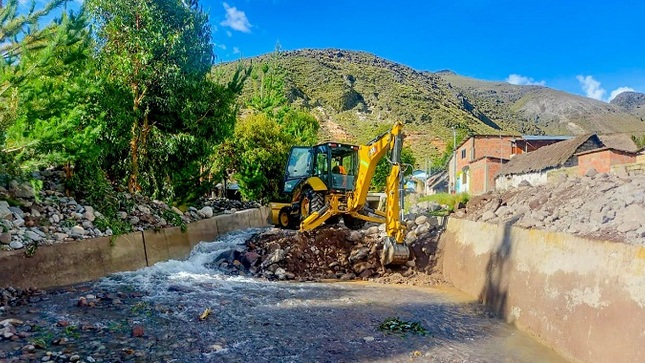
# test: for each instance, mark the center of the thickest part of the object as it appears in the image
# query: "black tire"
(333, 220)
(353, 223)
(285, 220)
(311, 202)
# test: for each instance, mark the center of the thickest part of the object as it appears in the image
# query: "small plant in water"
(394, 325)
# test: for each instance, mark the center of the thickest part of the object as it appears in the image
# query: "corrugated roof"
(621, 142)
(546, 157)
(545, 137)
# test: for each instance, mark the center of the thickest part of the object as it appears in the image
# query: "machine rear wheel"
(353, 223)
(311, 202)
(285, 220)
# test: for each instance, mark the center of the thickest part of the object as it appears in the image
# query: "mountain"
(357, 95)
(633, 102)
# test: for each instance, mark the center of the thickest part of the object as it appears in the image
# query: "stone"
(16, 245)
(122, 215)
(55, 218)
(359, 254)
(17, 212)
(137, 331)
(134, 220)
(280, 273)
(206, 212)
(372, 230)
(5, 238)
(524, 184)
(356, 236)
(488, 215)
(74, 358)
(18, 222)
(143, 209)
(89, 213)
(275, 257)
(420, 220)
(5, 212)
(33, 236)
(368, 339)
(422, 229)
(60, 236)
(87, 225)
(177, 210)
(628, 226)
(78, 230)
(591, 172)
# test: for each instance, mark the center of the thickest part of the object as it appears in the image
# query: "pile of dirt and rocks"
(31, 217)
(336, 252)
(597, 205)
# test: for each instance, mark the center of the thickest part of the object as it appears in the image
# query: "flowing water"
(153, 315)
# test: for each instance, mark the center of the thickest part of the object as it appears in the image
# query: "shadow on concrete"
(494, 294)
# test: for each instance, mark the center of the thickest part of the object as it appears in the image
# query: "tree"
(45, 86)
(57, 123)
(383, 169)
(160, 67)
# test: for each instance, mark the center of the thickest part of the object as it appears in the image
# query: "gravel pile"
(598, 205)
(30, 218)
(336, 252)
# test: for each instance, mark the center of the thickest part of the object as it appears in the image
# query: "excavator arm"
(394, 249)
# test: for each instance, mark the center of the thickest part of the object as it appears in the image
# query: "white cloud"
(228, 32)
(221, 46)
(236, 19)
(521, 80)
(236, 50)
(618, 91)
(591, 87)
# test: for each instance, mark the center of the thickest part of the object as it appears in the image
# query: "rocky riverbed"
(598, 205)
(29, 217)
(200, 310)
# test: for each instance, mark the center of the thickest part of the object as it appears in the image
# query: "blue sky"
(591, 48)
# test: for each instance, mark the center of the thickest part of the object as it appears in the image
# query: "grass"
(446, 199)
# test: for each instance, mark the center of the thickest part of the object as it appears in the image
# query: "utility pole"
(454, 156)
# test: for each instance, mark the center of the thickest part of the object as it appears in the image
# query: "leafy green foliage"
(447, 200)
(383, 169)
(639, 141)
(167, 114)
(58, 121)
(394, 325)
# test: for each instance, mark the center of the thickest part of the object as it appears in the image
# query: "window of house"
(464, 177)
(463, 153)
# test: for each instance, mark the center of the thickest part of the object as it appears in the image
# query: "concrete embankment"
(80, 261)
(584, 298)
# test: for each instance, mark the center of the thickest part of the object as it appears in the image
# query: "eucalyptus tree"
(155, 57)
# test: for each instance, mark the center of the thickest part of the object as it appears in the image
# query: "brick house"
(480, 157)
(533, 166)
(602, 159)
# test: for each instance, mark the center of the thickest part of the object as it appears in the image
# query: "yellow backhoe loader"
(331, 180)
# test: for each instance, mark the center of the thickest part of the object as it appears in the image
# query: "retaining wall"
(584, 298)
(79, 261)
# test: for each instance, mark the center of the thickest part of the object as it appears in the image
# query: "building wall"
(503, 182)
(602, 161)
(475, 148)
(522, 146)
(483, 175)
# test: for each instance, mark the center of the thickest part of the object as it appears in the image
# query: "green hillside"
(356, 95)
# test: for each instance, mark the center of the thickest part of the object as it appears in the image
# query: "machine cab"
(335, 164)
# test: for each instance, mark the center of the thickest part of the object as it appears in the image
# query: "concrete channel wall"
(584, 298)
(79, 261)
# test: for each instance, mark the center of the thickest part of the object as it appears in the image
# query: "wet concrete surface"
(153, 315)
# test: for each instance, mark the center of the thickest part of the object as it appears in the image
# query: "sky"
(591, 48)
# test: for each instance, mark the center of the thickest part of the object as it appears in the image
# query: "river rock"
(206, 212)
(16, 245)
(5, 238)
(5, 212)
(89, 213)
(78, 230)
(420, 220)
(33, 236)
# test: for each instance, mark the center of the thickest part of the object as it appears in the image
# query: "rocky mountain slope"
(357, 95)
(633, 102)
